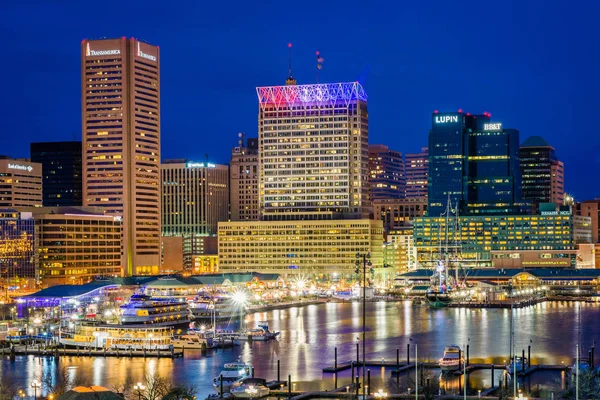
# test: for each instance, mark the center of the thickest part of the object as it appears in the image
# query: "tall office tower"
(386, 170)
(61, 171)
(313, 151)
(243, 180)
(20, 183)
(121, 143)
(543, 174)
(474, 163)
(417, 171)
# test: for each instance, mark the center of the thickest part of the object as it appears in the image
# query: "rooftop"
(308, 95)
(535, 141)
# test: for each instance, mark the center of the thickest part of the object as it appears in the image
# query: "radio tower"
(290, 80)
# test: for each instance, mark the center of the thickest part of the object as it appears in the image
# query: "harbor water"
(310, 334)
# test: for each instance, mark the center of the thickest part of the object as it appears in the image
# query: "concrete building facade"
(398, 212)
(386, 172)
(121, 143)
(543, 174)
(417, 171)
(243, 180)
(20, 183)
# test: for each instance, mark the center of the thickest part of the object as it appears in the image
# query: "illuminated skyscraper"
(386, 170)
(313, 151)
(417, 170)
(121, 142)
(542, 172)
(243, 180)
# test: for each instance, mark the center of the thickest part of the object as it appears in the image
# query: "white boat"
(261, 333)
(113, 337)
(146, 310)
(208, 308)
(250, 388)
(451, 359)
(194, 341)
(232, 372)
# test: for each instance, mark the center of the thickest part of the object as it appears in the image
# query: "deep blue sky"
(533, 64)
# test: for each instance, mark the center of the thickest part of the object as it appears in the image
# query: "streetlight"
(380, 394)
(139, 387)
(366, 260)
(35, 385)
(21, 394)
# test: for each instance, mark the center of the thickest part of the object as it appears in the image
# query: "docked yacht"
(232, 372)
(517, 364)
(201, 341)
(451, 359)
(250, 388)
(157, 311)
(261, 333)
(213, 308)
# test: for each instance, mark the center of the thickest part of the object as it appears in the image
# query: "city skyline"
(516, 92)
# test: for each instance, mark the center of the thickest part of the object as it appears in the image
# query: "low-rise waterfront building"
(325, 248)
(398, 212)
(17, 248)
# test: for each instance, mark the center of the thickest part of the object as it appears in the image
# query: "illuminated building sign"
(200, 165)
(492, 127)
(89, 52)
(21, 167)
(443, 119)
(144, 55)
(555, 213)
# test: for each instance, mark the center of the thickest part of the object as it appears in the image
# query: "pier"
(23, 350)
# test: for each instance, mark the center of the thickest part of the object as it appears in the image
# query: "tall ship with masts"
(442, 283)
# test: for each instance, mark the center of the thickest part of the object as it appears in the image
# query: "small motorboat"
(261, 333)
(517, 363)
(250, 388)
(451, 359)
(193, 341)
(232, 373)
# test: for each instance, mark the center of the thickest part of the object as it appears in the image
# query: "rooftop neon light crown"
(309, 95)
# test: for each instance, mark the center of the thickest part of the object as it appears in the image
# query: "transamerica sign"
(144, 55)
(89, 52)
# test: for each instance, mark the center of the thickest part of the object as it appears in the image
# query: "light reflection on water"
(310, 334)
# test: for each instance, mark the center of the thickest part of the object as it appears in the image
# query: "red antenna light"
(290, 45)
(468, 114)
(435, 111)
(318, 52)
(460, 110)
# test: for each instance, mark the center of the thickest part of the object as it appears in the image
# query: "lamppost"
(366, 260)
(35, 385)
(139, 387)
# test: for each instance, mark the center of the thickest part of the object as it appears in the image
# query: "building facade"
(121, 143)
(18, 258)
(243, 180)
(398, 212)
(417, 172)
(61, 172)
(474, 163)
(501, 241)
(590, 208)
(543, 174)
(400, 247)
(313, 151)
(75, 245)
(386, 171)
(310, 248)
(20, 183)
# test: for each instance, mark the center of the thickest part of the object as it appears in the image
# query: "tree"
(589, 386)
(183, 392)
(59, 381)
(8, 391)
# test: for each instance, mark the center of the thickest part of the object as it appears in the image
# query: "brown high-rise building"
(20, 183)
(121, 143)
(243, 180)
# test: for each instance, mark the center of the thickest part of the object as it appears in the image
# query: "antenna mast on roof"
(290, 80)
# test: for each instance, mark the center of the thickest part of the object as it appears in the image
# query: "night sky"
(533, 64)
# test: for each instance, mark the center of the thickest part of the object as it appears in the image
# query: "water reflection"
(310, 334)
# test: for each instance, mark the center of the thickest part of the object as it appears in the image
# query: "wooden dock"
(88, 352)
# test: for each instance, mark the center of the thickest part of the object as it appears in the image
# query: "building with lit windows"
(474, 163)
(17, 247)
(121, 143)
(313, 151)
(400, 249)
(398, 212)
(74, 245)
(590, 208)
(543, 174)
(310, 248)
(416, 167)
(20, 183)
(61, 172)
(386, 171)
(548, 239)
(243, 180)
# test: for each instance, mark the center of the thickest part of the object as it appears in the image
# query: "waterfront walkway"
(23, 350)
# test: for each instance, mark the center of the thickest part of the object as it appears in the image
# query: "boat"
(261, 333)
(517, 364)
(212, 308)
(200, 341)
(452, 358)
(232, 372)
(250, 388)
(119, 337)
(580, 365)
(157, 311)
